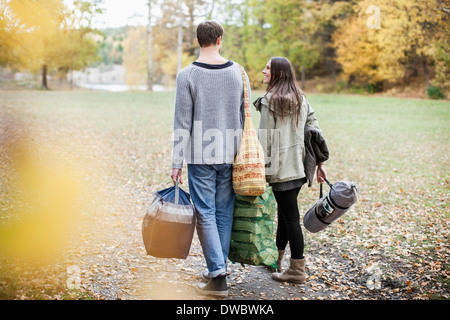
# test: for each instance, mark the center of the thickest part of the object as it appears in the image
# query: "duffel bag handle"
(321, 192)
(177, 192)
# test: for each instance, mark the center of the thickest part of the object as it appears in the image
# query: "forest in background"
(370, 45)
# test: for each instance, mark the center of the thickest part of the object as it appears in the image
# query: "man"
(208, 123)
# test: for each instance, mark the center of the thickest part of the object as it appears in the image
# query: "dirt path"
(114, 265)
(106, 253)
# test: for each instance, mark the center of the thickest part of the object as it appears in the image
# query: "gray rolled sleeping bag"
(328, 208)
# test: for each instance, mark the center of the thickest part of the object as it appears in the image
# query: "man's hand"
(177, 173)
(321, 173)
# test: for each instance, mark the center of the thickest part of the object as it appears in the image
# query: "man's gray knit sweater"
(209, 114)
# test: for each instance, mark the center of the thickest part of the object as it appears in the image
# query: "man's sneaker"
(204, 276)
(216, 286)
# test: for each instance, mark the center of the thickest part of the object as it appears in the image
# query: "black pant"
(289, 229)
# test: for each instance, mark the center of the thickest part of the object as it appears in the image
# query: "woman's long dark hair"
(286, 96)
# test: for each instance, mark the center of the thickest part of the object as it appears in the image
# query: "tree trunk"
(180, 35)
(71, 73)
(303, 65)
(150, 48)
(303, 77)
(44, 77)
(210, 14)
(350, 81)
(333, 68)
(191, 29)
(71, 79)
(426, 72)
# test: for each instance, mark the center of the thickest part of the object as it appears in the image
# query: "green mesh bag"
(252, 237)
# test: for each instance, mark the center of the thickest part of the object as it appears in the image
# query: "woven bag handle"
(248, 111)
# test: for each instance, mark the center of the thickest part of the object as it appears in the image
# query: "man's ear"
(219, 40)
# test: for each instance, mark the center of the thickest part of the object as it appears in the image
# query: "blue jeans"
(211, 190)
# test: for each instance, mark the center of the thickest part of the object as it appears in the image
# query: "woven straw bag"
(249, 175)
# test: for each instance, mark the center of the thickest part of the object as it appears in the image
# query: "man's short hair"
(208, 32)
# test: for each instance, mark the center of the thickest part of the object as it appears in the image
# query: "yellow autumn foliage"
(43, 35)
(41, 194)
(406, 30)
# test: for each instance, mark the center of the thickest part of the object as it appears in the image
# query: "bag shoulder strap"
(248, 111)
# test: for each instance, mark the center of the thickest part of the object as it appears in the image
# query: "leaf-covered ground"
(71, 207)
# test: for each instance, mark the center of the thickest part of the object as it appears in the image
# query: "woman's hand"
(321, 173)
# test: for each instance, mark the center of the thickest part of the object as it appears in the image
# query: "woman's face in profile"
(266, 73)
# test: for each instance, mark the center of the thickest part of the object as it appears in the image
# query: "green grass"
(394, 149)
(389, 143)
(386, 142)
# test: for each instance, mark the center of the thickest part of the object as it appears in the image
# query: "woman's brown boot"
(280, 260)
(295, 273)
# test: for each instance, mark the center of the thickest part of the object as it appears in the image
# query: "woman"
(284, 114)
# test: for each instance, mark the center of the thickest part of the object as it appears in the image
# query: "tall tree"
(78, 47)
(9, 37)
(43, 36)
(40, 26)
(135, 57)
(180, 35)
(257, 30)
(196, 10)
(408, 32)
(150, 45)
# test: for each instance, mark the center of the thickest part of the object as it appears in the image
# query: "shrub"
(435, 93)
